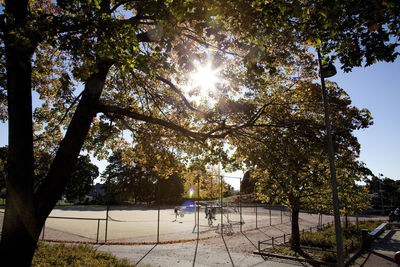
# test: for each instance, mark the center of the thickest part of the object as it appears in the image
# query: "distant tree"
(171, 189)
(210, 182)
(131, 181)
(82, 179)
(389, 188)
(121, 179)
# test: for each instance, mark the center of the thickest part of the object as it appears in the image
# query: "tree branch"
(137, 116)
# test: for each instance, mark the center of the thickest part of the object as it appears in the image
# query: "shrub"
(326, 238)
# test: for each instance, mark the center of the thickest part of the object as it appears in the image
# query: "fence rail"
(285, 238)
(83, 219)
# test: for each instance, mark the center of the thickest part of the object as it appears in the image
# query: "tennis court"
(153, 223)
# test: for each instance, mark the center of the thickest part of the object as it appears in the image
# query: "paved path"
(381, 251)
(218, 252)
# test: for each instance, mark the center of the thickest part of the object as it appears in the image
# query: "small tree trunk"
(295, 241)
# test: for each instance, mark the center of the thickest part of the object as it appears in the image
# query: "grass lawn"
(74, 255)
(321, 245)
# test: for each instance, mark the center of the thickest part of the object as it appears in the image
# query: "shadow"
(307, 257)
(279, 229)
(383, 256)
(195, 252)
(264, 233)
(227, 249)
(146, 254)
(386, 243)
(365, 260)
(81, 207)
(251, 242)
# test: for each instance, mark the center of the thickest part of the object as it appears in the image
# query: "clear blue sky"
(376, 88)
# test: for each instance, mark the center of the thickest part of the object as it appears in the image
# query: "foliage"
(290, 164)
(390, 191)
(320, 245)
(325, 238)
(101, 68)
(130, 181)
(82, 179)
(210, 183)
(248, 184)
(67, 255)
(354, 31)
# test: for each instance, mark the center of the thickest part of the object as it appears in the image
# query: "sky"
(376, 88)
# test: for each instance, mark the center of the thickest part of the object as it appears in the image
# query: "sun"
(205, 78)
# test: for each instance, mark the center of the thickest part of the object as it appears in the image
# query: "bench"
(378, 230)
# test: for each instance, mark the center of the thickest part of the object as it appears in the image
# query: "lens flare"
(188, 206)
(191, 192)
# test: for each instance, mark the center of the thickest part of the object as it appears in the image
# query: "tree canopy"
(97, 69)
(289, 165)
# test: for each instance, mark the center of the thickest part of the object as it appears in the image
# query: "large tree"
(129, 58)
(289, 164)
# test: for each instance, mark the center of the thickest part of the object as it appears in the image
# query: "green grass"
(74, 255)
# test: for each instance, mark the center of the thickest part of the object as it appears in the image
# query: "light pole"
(325, 72)
(381, 192)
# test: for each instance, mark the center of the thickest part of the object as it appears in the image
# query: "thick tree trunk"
(18, 239)
(295, 241)
(25, 212)
(20, 228)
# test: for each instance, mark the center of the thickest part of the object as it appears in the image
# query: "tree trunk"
(25, 211)
(18, 240)
(20, 228)
(295, 241)
(26, 214)
(67, 154)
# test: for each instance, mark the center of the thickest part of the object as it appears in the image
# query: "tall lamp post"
(326, 72)
(380, 175)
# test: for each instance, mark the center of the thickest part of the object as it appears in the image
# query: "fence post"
(272, 241)
(105, 236)
(98, 229)
(270, 219)
(44, 225)
(281, 214)
(310, 229)
(240, 205)
(158, 211)
(358, 227)
(284, 238)
(259, 246)
(256, 217)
